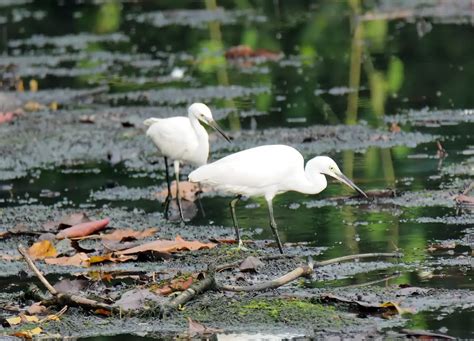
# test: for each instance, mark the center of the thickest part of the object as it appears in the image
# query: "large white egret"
(183, 139)
(267, 171)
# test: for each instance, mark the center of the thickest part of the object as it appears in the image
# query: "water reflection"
(344, 62)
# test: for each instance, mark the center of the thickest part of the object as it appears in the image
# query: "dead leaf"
(83, 229)
(87, 119)
(138, 299)
(129, 234)
(103, 312)
(245, 51)
(71, 286)
(464, 199)
(29, 333)
(187, 191)
(33, 106)
(22, 318)
(41, 250)
(251, 263)
(79, 259)
(168, 246)
(36, 309)
(176, 284)
(110, 258)
(395, 128)
(198, 329)
(7, 117)
(73, 219)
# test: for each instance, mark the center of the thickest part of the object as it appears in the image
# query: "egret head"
(203, 114)
(326, 165)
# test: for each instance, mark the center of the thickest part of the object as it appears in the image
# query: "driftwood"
(207, 283)
(210, 283)
(62, 298)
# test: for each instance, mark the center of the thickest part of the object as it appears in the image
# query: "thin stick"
(59, 297)
(358, 256)
(300, 271)
(37, 272)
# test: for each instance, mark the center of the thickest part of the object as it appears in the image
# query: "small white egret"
(183, 139)
(268, 171)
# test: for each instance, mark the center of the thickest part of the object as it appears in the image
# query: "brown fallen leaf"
(138, 299)
(41, 250)
(129, 234)
(79, 259)
(28, 333)
(87, 119)
(187, 190)
(6, 117)
(110, 258)
(251, 264)
(37, 309)
(73, 219)
(395, 128)
(198, 329)
(245, 51)
(83, 229)
(176, 284)
(73, 286)
(22, 318)
(464, 199)
(33, 106)
(168, 246)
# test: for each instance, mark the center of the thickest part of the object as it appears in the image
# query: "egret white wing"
(258, 167)
(173, 136)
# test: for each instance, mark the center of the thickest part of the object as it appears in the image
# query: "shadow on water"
(342, 62)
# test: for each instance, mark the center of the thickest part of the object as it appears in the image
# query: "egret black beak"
(215, 126)
(344, 179)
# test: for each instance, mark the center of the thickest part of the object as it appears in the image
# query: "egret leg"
(198, 197)
(168, 182)
(234, 202)
(273, 225)
(178, 195)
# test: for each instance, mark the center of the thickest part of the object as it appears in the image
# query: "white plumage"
(183, 139)
(267, 171)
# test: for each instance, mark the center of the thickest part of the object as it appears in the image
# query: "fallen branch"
(62, 298)
(191, 292)
(358, 256)
(300, 271)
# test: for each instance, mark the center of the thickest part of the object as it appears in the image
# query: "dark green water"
(334, 71)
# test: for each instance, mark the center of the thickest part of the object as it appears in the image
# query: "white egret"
(183, 139)
(267, 171)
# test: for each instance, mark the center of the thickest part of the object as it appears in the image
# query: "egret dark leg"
(178, 195)
(234, 202)
(273, 225)
(168, 182)
(198, 197)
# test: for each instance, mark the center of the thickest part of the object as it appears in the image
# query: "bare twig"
(35, 269)
(358, 256)
(62, 298)
(300, 271)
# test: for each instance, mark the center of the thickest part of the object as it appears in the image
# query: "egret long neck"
(310, 181)
(201, 135)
